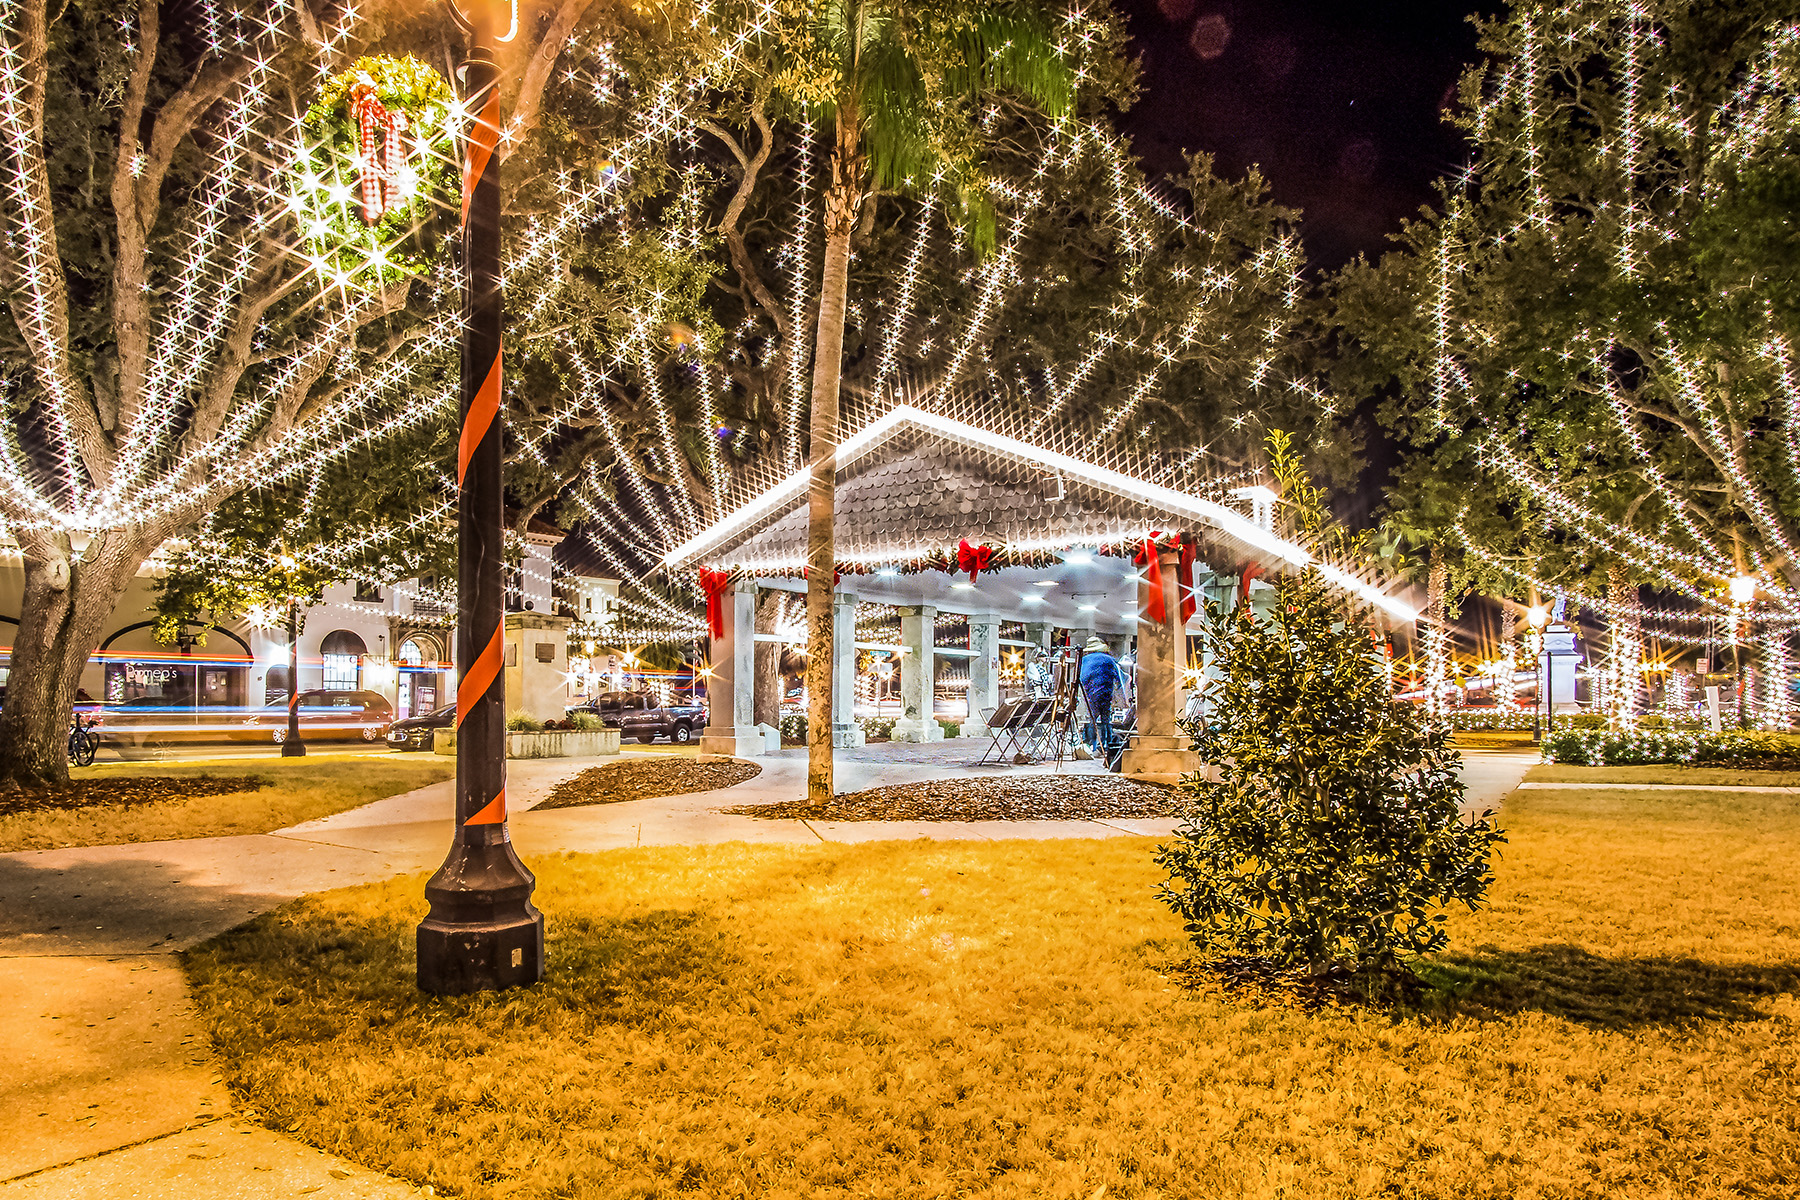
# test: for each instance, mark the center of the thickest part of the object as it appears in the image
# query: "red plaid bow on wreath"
(379, 149)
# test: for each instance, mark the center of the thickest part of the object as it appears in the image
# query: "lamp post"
(1743, 591)
(291, 745)
(482, 932)
(1537, 616)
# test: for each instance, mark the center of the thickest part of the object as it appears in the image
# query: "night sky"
(1340, 103)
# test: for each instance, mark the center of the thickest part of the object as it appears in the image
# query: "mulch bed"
(1020, 798)
(645, 779)
(125, 791)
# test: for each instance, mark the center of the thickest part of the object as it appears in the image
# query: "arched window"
(342, 652)
(410, 654)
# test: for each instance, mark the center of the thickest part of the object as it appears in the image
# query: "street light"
(482, 932)
(1537, 616)
(1743, 591)
(291, 745)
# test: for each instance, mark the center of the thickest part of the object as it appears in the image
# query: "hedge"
(1737, 748)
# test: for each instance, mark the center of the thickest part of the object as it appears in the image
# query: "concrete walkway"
(113, 1079)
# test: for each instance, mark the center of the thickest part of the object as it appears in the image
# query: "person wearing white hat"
(1100, 678)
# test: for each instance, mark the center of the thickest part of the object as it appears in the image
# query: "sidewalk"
(114, 1064)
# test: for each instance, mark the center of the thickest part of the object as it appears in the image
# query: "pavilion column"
(845, 732)
(731, 688)
(918, 676)
(984, 671)
(1160, 751)
(1038, 633)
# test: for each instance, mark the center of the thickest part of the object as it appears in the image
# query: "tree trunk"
(828, 363)
(1509, 654)
(1627, 645)
(769, 682)
(66, 604)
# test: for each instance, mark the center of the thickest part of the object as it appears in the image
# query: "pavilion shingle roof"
(930, 493)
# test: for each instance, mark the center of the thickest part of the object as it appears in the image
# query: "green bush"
(1595, 748)
(878, 727)
(1334, 832)
(587, 721)
(520, 721)
(951, 728)
(1585, 721)
(793, 729)
(1490, 718)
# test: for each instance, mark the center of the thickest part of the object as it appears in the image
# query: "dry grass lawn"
(300, 789)
(1656, 773)
(950, 1019)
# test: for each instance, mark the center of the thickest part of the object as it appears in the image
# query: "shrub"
(1334, 831)
(878, 728)
(1586, 721)
(793, 729)
(586, 721)
(1596, 748)
(951, 728)
(520, 721)
(1490, 718)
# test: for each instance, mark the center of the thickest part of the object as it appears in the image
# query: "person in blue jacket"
(1100, 678)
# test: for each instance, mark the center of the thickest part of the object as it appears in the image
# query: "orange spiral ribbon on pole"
(482, 932)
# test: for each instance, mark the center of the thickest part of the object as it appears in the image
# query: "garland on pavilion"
(378, 180)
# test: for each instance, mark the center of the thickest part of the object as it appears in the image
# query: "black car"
(415, 733)
(638, 715)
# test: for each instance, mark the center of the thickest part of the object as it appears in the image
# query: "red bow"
(1151, 560)
(973, 559)
(714, 583)
(837, 577)
(381, 160)
(1184, 581)
(1249, 571)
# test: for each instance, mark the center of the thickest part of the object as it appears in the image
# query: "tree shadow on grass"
(1613, 993)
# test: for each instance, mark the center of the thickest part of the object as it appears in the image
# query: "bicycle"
(83, 743)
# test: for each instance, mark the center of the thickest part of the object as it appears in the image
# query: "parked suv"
(416, 733)
(637, 714)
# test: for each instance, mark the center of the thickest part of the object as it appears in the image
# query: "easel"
(1065, 694)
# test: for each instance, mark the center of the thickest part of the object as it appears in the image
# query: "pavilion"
(1055, 541)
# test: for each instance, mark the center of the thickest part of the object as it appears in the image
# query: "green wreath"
(418, 192)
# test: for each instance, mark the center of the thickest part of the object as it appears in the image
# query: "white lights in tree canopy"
(374, 186)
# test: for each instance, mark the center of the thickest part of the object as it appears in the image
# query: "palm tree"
(898, 84)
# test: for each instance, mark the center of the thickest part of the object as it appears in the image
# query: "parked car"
(638, 715)
(327, 716)
(416, 733)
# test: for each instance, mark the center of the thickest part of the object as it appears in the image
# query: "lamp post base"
(482, 934)
(293, 749)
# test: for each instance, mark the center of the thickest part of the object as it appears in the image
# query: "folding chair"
(997, 721)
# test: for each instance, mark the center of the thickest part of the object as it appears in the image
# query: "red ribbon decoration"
(1152, 561)
(381, 161)
(714, 583)
(1250, 570)
(1184, 581)
(973, 559)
